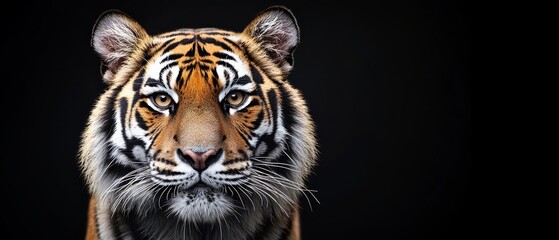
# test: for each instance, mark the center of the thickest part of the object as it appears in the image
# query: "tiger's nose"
(199, 160)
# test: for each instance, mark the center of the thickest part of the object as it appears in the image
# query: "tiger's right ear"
(115, 37)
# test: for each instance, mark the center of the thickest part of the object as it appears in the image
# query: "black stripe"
(217, 33)
(288, 113)
(256, 74)
(287, 108)
(185, 41)
(172, 57)
(141, 121)
(242, 80)
(114, 170)
(138, 81)
(188, 60)
(130, 144)
(164, 160)
(165, 44)
(187, 79)
(215, 82)
(201, 50)
(186, 34)
(227, 65)
(244, 48)
(272, 105)
(134, 100)
(123, 102)
(169, 173)
(271, 144)
(223, 55)
(156, 154)
(136, 87)
(206, 61)
(153, 83)
(152, 142)
(234, 44)
(231, 172)
(107, 115)
(147, 55)
(203, 67)
(168, 66)
(190, 53)
(213, 41)
(236, 160)
(180, 79)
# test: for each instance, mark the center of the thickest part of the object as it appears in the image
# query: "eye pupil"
(162, 100)
(235, 98)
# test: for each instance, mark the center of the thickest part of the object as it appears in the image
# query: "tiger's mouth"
(200, 186)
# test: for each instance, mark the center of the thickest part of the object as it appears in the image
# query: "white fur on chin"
(201, 205)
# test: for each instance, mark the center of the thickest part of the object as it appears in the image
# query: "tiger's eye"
(162, 100)
(235, 98)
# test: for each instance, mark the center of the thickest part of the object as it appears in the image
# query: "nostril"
(214, 157)
(185, 158)
(199, 160)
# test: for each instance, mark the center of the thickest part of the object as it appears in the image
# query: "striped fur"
(197, 91)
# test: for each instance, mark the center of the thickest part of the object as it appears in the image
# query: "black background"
(387, 82)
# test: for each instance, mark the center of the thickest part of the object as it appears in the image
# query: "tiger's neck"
(103, 225)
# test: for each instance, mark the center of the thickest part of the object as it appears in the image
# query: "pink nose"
(199, 158)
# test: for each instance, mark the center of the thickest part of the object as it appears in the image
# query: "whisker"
(271, 191)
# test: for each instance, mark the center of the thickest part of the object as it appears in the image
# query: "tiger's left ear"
(115, 37)
(277, 32)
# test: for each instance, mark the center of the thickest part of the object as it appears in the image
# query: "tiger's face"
(198, 123)
(200, 118)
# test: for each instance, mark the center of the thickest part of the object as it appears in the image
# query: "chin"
(201, 205)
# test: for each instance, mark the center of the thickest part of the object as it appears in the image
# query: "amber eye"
(235, 98)
(162, 100)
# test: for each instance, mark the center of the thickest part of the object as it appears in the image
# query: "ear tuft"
(115, 36)
(277, 32)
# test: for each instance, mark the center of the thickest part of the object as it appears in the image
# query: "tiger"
(198, 134)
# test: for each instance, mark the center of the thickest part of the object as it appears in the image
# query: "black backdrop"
(388, 83)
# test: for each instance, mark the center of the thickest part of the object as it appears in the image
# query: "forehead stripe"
(172, 57)
(213, 41)
(162, 45)
(232, 43)
(216, 33)
(224, 55)
(184, 41)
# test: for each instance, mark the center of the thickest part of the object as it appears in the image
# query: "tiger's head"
(200, 125)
